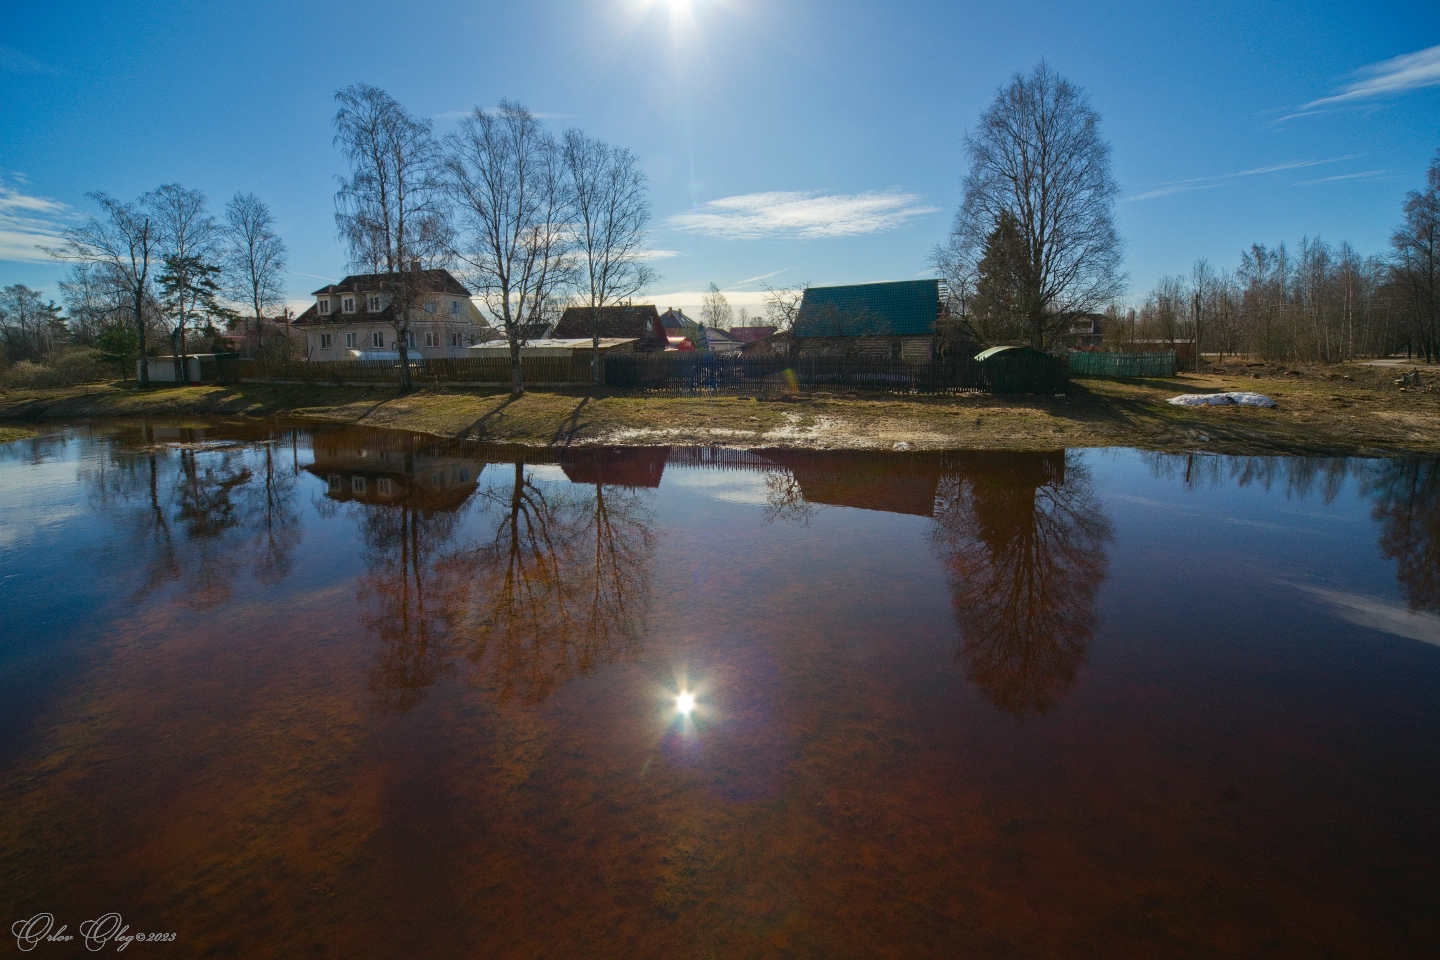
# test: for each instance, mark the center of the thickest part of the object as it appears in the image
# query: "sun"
(685, 704)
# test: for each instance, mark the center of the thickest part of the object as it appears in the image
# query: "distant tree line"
(1318, 302)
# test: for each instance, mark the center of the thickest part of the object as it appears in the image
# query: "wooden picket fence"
(690, 374)
(1086, 364)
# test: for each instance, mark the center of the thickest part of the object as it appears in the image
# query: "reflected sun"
(685, 703)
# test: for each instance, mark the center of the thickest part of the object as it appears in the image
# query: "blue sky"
(784, 142)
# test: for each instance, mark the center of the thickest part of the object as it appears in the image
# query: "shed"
(556, 347)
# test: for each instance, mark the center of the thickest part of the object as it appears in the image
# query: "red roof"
(750, 334)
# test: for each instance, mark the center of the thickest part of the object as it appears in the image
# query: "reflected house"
(630, 467)
(395, 470)
(869, 480)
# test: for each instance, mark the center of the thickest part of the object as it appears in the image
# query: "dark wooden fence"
(467, 370)
(688, 373)
(1086, 364)
(691, 374)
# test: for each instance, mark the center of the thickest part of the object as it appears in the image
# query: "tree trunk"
(140, 330)
(402, 345)
(517, 372)
(595, 346)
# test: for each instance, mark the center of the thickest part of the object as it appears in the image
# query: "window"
(357, 484)
(326, 341)
(454, 339)
(347, 305)
(454, 308)
(432, 339)
(324, 304)
(349, 341)
(335, 482)
(462, 475)
(373, 304)
(385, 487)
(895, 350)
(429, 306)
(377, 339)
(410, 339)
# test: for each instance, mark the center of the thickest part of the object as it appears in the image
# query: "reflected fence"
(690, 374)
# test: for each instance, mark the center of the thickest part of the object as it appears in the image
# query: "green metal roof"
(900, 309)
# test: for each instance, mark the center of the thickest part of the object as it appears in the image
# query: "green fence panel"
(1086, 364)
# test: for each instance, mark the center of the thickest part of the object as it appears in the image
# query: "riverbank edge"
(1356, 413)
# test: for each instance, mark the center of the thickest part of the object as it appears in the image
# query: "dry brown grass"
(1344, 409)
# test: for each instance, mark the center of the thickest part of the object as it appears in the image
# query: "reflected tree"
(196, 514)
(274, 519)
(785, 500)
(1025, 550)
(413, 593)
(1406, 498)
(562, 586)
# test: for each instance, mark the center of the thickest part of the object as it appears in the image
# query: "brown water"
(288, 692)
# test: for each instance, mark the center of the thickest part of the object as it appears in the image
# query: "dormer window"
(347, 305)
(372, 303)
(324, 304)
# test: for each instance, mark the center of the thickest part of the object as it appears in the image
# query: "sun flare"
(685, 703)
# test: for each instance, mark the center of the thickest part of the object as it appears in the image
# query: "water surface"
(292, 691)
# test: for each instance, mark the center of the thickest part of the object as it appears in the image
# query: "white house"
(353, 320)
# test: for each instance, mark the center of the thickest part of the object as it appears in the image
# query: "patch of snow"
(1240, 398)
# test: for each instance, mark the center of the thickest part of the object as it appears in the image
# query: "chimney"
(414, 266)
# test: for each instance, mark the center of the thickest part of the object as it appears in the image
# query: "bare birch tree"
(390, 212)
(255, 258)
(514, 212)
(611, 212)
(123, 240)
(1417, 262)
(1038, 156)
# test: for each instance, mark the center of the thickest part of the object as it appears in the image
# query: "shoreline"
(1350, 409)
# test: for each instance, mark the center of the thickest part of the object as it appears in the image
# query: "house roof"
(675, 319)
(898, 309)
(361, 315)
(440, 281)
(750, 334)
(640, 321)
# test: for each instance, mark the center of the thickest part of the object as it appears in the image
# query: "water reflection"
(1024, 542)
(1406, 497)
(563, 584)
(198, 505)
(530, 580)
(1404, 492)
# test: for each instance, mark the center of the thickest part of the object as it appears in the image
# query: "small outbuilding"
(556, 347)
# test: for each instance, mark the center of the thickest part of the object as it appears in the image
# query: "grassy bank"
(1344, 409)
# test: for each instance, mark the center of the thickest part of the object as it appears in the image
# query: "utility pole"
(1197, 331)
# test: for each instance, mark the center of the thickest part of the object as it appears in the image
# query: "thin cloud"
(1225, 179)
(1362, 175)
(748, 280)
(28, 222)
(1411, 71)
(801, 216)
(659, 254)
(13, 61)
